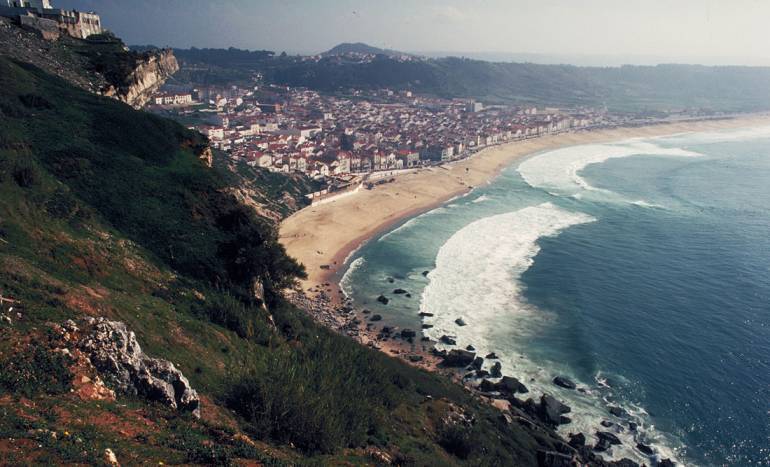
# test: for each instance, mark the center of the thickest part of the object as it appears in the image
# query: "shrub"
(34, 101)
(458, 440)
(246, 320)
(31, 373)
(318, 403)
(24, 174)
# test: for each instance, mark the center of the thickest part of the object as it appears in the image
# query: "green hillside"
(108, 211)
(625, 89)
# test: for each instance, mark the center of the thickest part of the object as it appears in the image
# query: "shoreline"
(341, 313)
(323, 237)
(326, 234)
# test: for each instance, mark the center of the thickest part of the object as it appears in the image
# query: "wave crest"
(559, 170)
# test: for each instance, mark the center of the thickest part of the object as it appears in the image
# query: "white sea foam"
(477, 269)
(481, 199)
(346, 283)
(559, 170)
(647, 204)
(477, 277)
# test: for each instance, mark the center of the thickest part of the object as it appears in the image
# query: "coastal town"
(360, 137)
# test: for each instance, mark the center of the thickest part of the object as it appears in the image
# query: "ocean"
(639, 269)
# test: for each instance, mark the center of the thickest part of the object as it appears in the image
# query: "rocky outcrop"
(148, 76)
(115, 352)
(207, 156)
(551, 410)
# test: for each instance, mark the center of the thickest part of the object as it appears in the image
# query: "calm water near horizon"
(640, 269)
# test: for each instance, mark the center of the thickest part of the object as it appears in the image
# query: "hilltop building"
(42, 16)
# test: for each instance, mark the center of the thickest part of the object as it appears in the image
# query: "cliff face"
(102, 66)
(148, 75)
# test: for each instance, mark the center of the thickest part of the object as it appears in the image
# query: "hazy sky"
(706, 31)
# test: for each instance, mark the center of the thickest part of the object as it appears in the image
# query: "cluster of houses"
(298, 130)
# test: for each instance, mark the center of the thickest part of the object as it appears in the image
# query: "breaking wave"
(478, 278)
(478, 269)
(558, 171)
(346, 282)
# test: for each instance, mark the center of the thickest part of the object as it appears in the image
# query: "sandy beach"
(324, 235)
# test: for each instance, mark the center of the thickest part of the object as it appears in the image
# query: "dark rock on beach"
(617, 411)
(391, 280)
(408, 333)
(512, 385)
(491, 356)
(399, 291)
(601, 445)
(459, 358)
(376, 318)
(447, 340)
(610, 437)
(551, 410)
(460, 322)
(606, 423)
(644, 449)
(425, 273)
(496, 370)
(427, 326)
(425, 315)
(477, 362)
(666, 463)
(383, 299)
(577, 441)
(438, 353)
(487, 386)
(564, 382)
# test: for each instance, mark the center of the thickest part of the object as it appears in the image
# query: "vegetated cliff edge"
(101, 64)
(107, 212)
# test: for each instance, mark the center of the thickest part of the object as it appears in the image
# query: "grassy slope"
(107, 211)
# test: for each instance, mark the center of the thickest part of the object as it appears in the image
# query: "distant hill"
(360, 48)
(626, 89)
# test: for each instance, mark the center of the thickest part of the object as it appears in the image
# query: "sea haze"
(640, 269)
